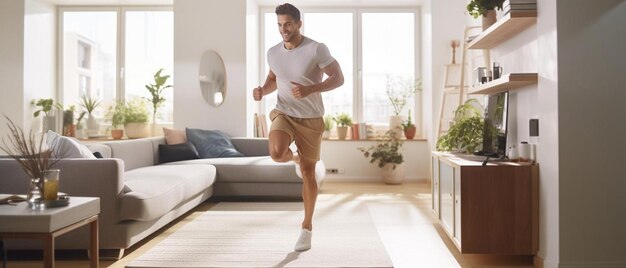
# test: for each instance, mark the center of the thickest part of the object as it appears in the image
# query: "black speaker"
(533, 127)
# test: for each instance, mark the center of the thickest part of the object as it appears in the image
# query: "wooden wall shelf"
(505, 83)
(505, 28)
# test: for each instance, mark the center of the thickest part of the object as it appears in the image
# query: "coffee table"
(21, 222)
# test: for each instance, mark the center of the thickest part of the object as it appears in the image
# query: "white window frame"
(357, 97)
(120, 92)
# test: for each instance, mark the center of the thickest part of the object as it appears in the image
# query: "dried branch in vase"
(29, 151)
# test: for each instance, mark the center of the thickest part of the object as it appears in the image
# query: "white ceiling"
(344, 3)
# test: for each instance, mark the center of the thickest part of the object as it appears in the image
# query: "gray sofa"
(138, 196)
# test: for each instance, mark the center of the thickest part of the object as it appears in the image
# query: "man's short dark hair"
(288, 9)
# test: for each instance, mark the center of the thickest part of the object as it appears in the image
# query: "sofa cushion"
(177, 152)
(249, 169)
(156, 190)
(174, 136)
(212, 143)
(64, 147)
(135, 153)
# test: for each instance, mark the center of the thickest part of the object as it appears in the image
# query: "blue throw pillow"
(211, 143)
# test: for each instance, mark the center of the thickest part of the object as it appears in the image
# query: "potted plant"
(343, 121)
(156, 90)
(399, 91)
(34, 158)
(47, 107)
(409, 128)
(486, 9)
(90, 104)
(329, 123)
(115, 113)
(135, 118)
(69, 128)
(466, 133)
(386, 154)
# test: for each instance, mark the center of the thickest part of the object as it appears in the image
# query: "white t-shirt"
(302, 65)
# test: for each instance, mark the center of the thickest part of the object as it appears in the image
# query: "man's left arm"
(334, 80)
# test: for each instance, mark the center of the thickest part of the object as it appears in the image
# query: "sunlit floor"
(402, 215)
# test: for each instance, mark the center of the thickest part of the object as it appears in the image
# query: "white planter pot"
(393, 175)
(395, 124)
(49, 123)
(326, 134)
(92, 123)
(342, 132)
(136, 130)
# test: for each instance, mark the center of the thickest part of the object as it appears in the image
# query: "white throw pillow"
(64, 147)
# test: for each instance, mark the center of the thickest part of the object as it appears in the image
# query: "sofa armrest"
(101, 178)
(252, 146)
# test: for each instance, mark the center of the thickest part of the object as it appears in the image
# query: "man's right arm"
(268, 87)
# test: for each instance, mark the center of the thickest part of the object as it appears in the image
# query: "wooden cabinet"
(490, 209)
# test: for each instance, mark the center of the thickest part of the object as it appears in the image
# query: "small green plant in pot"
(486, 9)
(47, 106)
(135, 119)
(90, 104)
(116, 113)
(329, 123)
(343, 121)
(409, 128)
(466, 133)
(386, 154)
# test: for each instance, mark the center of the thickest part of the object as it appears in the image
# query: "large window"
(111, 53)
(373, 47)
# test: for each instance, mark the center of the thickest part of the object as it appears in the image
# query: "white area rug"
(263, 235)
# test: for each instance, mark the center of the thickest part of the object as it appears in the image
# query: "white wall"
(346, 156)
(39, 58)
(252, 61)
(548, 147)
(11, 63)
(591, 41)
(27, 60)
(447, 19)
(200, 25)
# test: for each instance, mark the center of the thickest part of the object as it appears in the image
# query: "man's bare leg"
(309, 191)
(279, 142)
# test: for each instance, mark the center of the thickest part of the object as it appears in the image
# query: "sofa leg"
(111, 254)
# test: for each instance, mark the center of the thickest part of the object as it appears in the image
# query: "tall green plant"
(89, 103)
(466, 133)
(156, 91)
(400, 90)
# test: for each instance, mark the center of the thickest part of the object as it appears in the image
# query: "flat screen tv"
(495, 128)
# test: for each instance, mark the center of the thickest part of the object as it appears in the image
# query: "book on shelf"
(260, 126)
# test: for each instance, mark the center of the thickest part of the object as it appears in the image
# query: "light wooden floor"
(402, 215)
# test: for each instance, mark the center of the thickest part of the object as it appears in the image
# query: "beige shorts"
(306, 132)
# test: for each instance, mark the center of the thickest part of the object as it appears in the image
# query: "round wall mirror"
(212, 78)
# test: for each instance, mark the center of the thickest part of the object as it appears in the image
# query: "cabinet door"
(446, 184)
(457, 205)
(434, 177)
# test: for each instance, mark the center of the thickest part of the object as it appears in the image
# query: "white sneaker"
(304, 241)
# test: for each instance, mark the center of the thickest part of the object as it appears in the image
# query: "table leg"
(95, 251)
(48, 251)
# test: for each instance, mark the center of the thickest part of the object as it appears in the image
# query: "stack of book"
(519, 6)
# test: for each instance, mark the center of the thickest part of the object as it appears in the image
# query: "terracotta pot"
(69, 130)
(393, 175)
(489, 18)
(409, 132)
(117, 134)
